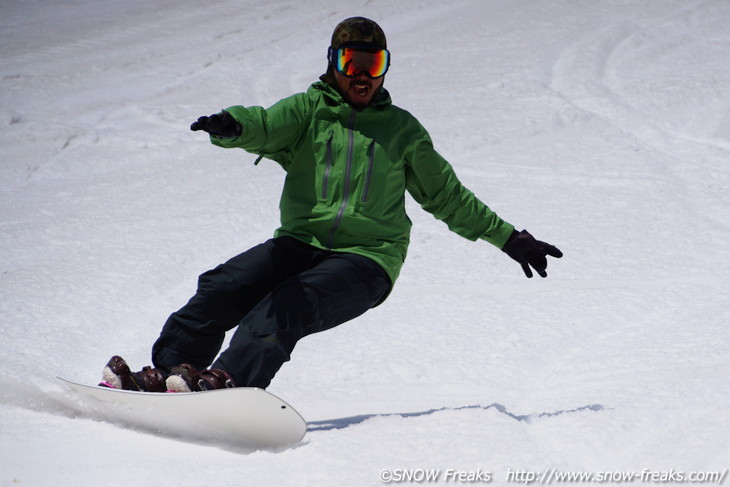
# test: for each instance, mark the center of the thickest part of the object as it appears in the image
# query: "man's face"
(360, 90)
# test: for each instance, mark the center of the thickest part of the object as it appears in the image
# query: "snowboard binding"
(182, 378)
(186, 378)
(118, 375)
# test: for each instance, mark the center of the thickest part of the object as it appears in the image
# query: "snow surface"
(602, 126)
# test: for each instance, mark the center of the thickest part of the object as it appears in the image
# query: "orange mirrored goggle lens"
(352, 61)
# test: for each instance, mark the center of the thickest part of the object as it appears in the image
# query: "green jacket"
(348, 171)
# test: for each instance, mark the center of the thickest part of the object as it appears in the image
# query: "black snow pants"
(276, 293)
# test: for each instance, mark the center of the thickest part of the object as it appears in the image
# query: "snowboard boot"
(117, 375)
(215, 379)
(186, 378)
(183, 378)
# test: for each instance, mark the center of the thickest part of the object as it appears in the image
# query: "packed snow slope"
(602, 126)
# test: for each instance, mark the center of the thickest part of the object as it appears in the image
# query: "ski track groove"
(593, 61)
(586, 76)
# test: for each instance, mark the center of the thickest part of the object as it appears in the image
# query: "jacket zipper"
(371, 159)
(328, 166)
(348, 173)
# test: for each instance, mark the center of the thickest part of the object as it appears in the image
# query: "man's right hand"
(220, 124)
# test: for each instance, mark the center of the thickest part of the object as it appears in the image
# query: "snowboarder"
(349, 155)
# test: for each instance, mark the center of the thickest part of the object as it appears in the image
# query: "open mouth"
(360, 89)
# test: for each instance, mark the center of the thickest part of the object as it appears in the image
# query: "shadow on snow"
(340, 423)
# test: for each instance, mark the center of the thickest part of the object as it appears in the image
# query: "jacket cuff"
(499, 236)
(238, 113)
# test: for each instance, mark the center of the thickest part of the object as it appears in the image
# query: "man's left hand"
(528, 251)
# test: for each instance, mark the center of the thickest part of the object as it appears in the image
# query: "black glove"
(221, 124)
(523, 248)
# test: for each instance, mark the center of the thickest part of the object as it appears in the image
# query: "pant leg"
(339, 288)
(195, 333)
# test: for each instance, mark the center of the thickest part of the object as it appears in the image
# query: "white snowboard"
(245, 415)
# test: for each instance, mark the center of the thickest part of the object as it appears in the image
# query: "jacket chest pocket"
(325, 183)
(328, 163)
(368, 173)
(381, 182)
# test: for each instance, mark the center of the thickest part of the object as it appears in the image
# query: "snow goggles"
(353, 60)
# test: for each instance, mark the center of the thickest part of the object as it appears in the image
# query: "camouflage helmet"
(358, 30)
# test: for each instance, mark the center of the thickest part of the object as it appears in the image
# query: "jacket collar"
(327, 88)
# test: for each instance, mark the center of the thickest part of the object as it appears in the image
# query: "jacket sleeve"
(434, 185)
(273, 132)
